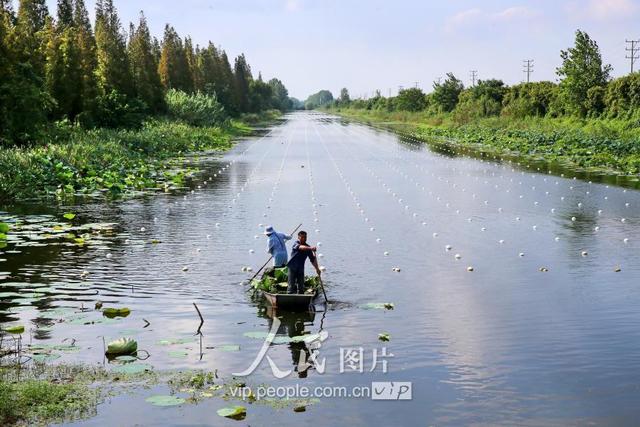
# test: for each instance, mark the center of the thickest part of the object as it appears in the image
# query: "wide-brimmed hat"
(269, 230)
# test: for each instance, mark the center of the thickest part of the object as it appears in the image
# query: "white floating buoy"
(185, 268)
(208, 236)
(584, 253)
(108, 255)
(251, 251)
(521, 254)
(457, 256)
(435, 234)
(573, 218)
(322, 268)
(470, 268)
(386, 253)
(625, 240)
(501, 241)
(142, 229)
(447, 248)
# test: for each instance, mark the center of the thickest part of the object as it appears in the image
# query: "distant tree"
(445, 95)
(319, 99)
(344, 96)
(296, 104)
(581, 70)
(144, 69)
(412, 99)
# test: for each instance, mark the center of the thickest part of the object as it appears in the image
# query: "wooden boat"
(291, 302)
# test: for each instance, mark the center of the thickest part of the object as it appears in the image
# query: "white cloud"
(602, 10)
(476, 17)
(292, 5)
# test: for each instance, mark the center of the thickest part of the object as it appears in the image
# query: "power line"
(474, 75)
(528, 68)
(633, 50)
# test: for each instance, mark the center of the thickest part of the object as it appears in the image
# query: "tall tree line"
(59, 67)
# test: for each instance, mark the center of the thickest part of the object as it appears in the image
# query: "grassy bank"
(612, 145)
(72, 160)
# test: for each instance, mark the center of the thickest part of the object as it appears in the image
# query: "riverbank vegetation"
(86, 108)
(587, 118)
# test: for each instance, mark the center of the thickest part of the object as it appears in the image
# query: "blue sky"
(374, 44)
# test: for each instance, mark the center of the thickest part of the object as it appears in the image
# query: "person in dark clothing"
(299, 254)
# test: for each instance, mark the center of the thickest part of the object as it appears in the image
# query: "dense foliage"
(74, 160)
(195, 109)
(60, 68)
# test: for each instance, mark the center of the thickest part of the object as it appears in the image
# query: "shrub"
(195, 109)
(116, 111)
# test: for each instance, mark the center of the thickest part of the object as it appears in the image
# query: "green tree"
(88, 60)
(144, 69)
(482, 100)
(173, 66)
(581, 70)
(243, 78)
(622, 97)
(23, 101)
(412, 99)
(529, 99)
(260, 95)
(112, 70)
(193, 71)
(28, 39)
(445, 95)
(65, 14)
(227, 92)
(280, 95)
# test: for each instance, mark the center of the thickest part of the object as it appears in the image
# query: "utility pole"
(389, 92)
(416, 84)
(633, 50)
(400, 88)
(474, 75)
(528, 68)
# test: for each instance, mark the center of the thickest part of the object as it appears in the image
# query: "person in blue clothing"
(299, 254)
(276, 246)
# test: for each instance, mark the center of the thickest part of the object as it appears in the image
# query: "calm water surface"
(505, 343)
